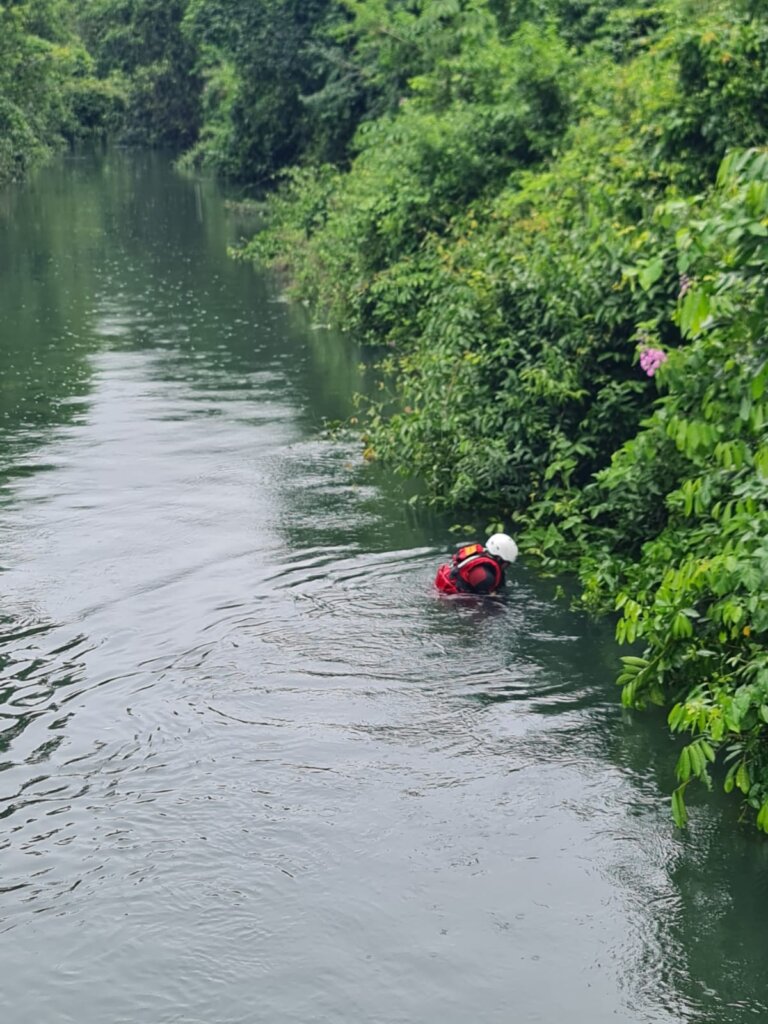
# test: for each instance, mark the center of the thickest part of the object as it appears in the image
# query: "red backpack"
(450, 578)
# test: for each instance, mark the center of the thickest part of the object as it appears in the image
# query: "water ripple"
(244, 747)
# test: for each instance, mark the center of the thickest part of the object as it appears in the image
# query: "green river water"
(251, 768)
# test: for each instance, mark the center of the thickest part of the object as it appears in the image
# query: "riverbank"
(563, 255)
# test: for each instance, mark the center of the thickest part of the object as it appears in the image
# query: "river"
(251, 769)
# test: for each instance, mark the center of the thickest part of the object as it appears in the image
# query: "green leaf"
(698, 764)
(707, 750)
(650, 274)
(681, 626)
(679, 812)
(628, 694)
(676, 716)
(683, 768)
(693, 312)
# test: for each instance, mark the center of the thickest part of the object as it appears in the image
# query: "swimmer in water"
(477, 569)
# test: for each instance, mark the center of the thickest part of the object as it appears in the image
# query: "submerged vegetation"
(552, 218)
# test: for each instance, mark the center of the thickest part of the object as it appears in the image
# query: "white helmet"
(501, 546)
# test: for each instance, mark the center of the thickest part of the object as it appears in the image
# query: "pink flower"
(651, 359)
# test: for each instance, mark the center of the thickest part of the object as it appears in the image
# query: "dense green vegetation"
(551, 218)
(72, 71)
(44, 70)
(571, 299)
(139, 46)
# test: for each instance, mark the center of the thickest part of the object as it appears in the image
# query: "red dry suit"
(471, 571)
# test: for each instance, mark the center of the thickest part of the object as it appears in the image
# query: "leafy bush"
(39, 57)
(574, 313)
(698, 595)
(141, 52)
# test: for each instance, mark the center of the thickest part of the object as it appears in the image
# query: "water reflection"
(247, 758)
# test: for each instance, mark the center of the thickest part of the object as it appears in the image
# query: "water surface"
(251, 769)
